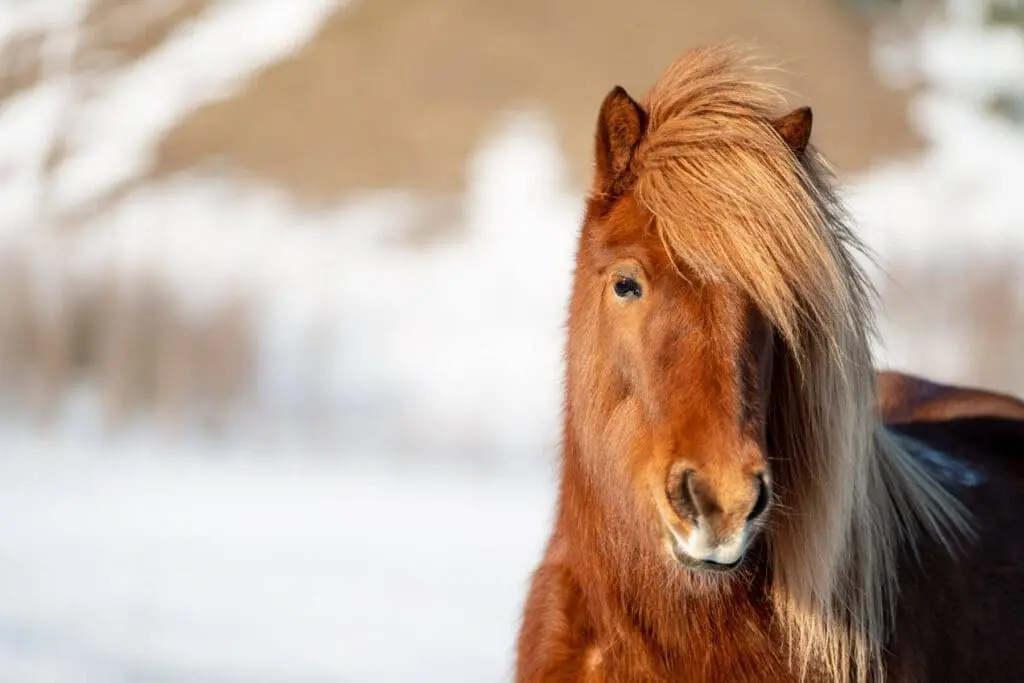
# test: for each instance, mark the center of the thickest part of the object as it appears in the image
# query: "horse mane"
(734, 203)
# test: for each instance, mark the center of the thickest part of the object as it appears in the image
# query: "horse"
(734, 504)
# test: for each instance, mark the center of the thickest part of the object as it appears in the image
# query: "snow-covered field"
(400, 550)
(214, 567)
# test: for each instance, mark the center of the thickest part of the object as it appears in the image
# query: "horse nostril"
(763, 495)
(687, 501)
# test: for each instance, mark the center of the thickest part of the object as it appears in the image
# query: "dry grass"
(129, 338)
(20, 64)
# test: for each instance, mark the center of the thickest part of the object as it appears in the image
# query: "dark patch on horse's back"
(960, 620)
(977, 441)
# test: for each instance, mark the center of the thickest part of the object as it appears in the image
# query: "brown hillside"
(397, 93)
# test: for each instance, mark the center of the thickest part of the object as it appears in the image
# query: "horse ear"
(795, 128)
(620, 126)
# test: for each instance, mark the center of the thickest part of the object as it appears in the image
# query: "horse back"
(906, 398)
(960, 617)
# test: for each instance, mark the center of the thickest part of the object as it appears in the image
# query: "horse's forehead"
(627, 231)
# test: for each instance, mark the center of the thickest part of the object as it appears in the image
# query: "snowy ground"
(402, 553)
(223, 567)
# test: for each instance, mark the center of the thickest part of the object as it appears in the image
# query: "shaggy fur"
(730, 203)
(752, 352)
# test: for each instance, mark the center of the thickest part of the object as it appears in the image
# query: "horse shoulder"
(906, 398)
(556, 641)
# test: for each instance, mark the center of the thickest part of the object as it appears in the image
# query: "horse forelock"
(729, 200)
(732, 202)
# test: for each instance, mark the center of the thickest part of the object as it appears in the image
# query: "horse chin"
(702, 566)
(672, 540)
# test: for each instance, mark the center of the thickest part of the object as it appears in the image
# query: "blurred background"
(282, 286)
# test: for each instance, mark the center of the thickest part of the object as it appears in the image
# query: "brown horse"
(732, 507)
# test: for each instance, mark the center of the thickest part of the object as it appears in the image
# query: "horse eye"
(626, 287)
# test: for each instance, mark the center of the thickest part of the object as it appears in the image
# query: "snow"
(954, 208)
(463, 336)
(961, 203)
(480, 320)
(20, 17)
(969, 173)
(130, 564)
(112, 133)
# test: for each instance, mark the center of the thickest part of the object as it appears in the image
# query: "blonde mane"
(734, 203)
